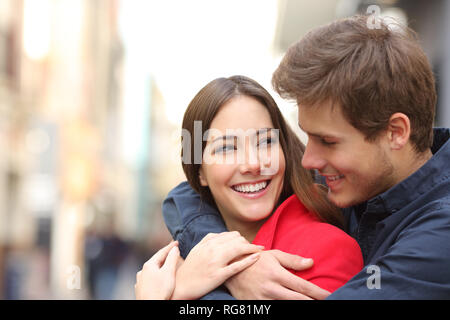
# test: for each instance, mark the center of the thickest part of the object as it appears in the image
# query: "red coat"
(293, 229)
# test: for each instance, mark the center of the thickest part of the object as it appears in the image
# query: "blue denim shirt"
(404, 233)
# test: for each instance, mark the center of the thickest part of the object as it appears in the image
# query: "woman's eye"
(266, 142)
(224, 148)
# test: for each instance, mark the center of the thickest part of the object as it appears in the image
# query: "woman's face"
(243, 163)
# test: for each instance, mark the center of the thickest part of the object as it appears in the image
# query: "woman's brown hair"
(206, 105)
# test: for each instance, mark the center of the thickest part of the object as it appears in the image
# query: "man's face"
(355, 169)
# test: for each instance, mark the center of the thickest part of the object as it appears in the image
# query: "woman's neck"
(248, 229)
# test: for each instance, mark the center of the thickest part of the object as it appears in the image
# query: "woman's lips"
(252, 190)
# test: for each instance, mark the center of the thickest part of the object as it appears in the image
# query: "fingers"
(240, 265)
(229, 244)
(282, 293)
(138, 277)
(221, 236)
(233, 251)
(162, 264)
(293, 282)
(236, 248)
(226, 237)
(159, 257)
(292, 261)
(170, 265)
(229, 252)
(208, 237)
(299, 285)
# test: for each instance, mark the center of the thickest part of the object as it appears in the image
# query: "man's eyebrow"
(321, 135)
(318, 134)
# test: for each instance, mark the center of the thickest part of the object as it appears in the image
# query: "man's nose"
(312, 158)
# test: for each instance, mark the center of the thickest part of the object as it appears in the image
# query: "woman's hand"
(212, 261)
(156, 280)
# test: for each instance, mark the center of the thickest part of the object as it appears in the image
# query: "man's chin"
(341, 201)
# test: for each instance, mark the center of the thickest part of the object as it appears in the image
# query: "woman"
(251, 172)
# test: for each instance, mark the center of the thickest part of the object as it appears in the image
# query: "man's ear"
(202, 179)
(399, 130)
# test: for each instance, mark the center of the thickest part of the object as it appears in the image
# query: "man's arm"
(268, 279)
(188, 218)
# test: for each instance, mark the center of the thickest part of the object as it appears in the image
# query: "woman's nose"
(250, 163)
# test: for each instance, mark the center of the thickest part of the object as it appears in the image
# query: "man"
(366, 99)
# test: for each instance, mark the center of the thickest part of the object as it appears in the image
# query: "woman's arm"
(211, 262)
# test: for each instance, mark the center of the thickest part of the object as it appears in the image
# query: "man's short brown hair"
(370, 73)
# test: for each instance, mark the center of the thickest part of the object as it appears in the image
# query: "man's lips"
(333, 180)
(334, 177)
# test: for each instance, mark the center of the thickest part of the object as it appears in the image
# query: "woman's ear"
(202, 179)
(399, 130)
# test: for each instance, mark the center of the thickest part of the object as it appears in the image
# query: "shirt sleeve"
(188, 218)
(416, 266)
(221, 293)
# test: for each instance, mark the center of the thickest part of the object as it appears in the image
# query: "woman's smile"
(252, 190)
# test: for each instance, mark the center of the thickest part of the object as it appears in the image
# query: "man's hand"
(268, 279)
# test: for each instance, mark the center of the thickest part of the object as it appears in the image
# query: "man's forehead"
(324, 120)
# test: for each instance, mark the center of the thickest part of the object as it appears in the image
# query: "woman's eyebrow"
(232, 136)
(224, 138)
(265, 130)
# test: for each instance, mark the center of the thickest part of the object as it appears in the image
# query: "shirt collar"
(429, 175)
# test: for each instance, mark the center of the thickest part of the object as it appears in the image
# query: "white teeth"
(250, 187)
(334, 178)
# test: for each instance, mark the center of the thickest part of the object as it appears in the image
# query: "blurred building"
(63, 169)
(12, 114)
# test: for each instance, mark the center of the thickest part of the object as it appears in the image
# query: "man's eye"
(327, 143)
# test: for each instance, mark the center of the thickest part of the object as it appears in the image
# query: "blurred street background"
(92, 94)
